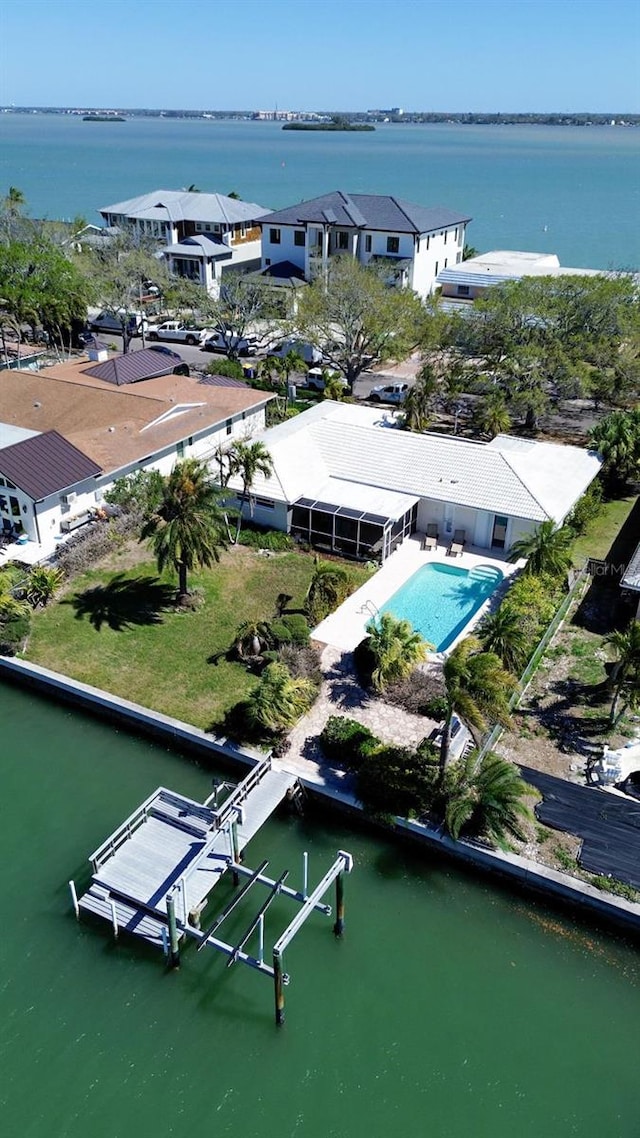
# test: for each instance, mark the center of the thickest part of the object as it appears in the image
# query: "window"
(228, 425)
(463, 290)
(180, 449)
(342, 241)
(458, 258)
(266, 503)
(274, 236)
(445, 262)
(267, 261)
(298, 237)
(436, 268)
(456, 237)
(367, 243)
(445, 235)
(393, 244)
(428, 239)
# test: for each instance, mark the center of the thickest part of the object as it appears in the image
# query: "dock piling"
(305, 875)
(174, 946)
(278, 986)
(114, 920)
(235, 849)
(74, 898)
(338, 927)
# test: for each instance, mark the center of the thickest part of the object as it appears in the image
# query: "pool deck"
(345, 628)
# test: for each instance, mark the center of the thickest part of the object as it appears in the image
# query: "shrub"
(42, 583)
(139, 493)
(586, 509)
(347, 742)
(330, 586)
(279, 700)
(397, 781)
(274, 540)
(231, 368)
(303, 662)
(13, 634)
(436, 708)
(292, 628)
(419, 693)
(94, 541)
(364, 662)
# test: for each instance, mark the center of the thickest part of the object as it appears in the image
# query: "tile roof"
(180, 205)
(367, 211)
(517, 477)
(46, 464)
(146, 363)
(631, 578)
(200, 243)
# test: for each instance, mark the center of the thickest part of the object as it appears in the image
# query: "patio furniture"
(431, 536)
(457, 544)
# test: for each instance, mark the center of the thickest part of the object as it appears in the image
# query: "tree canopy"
(353, 315)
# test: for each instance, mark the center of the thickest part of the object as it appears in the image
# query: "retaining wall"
(530, 874)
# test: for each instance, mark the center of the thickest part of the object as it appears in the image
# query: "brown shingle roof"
(112, 425)
(46, 464)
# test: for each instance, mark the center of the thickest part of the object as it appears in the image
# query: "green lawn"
(603, 531)
(116, 630)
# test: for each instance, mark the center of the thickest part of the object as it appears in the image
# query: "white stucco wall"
(286, 250)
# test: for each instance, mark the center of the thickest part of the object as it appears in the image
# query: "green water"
(451, 1008)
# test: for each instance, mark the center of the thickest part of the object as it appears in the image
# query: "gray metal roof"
(46, 464)
(200, 243)
(179, 205)
(367, 211)
(134, 366)
(631, 578)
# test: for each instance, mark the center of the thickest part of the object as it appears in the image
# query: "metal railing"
(242, 790)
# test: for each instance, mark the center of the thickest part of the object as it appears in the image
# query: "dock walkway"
(172, 843)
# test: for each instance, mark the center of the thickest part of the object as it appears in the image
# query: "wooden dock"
(154, 875)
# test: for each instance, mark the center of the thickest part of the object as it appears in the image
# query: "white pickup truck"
(389, 393)
(175, 330)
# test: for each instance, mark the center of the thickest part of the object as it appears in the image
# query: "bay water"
(453, 1007)
(574, 191)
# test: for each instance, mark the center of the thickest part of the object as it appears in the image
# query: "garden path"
(341, 694)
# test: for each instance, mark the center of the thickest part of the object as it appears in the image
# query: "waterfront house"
(412, 242)
(69, 431)
(467, 280)
(204, 235)
(345, 478)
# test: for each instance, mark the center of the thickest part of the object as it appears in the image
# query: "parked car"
(317, 377)
(177, 331)
(389, 393)
(108, 322)
(309, 353)
(240, 345)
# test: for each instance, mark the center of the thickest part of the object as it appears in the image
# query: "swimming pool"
(439, 600)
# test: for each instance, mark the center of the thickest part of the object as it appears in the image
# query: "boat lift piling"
(153, 877)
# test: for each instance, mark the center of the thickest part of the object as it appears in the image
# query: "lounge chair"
(457, 544)
(431, 536)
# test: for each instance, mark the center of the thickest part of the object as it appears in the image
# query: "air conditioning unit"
(68, 499)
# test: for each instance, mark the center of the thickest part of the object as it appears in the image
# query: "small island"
(103, 118)
(335, 123)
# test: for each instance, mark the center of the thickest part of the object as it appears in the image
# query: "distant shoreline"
(348, 126)
(355, 118)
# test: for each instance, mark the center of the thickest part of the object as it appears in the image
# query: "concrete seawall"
(529, 874)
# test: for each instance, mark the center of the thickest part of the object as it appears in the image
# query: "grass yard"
(118, 631)
(603, 531)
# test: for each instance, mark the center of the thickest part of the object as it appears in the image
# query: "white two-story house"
(204, 234)
(414, 241)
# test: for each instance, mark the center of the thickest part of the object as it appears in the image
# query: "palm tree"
(280, 699)
(503, 633)
(42, 582)
(488, 799)
(492, 415)
(546, 550)
(396, 649)
(249, 460)
(328, 588)
(477, 689)
(418, 404)
(189, 527)
(625, 677)
(617, 438)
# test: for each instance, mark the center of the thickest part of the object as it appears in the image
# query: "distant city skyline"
(538, 56)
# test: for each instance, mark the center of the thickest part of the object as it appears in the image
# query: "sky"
(441, 55)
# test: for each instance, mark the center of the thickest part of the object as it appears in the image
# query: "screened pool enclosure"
(352, 532)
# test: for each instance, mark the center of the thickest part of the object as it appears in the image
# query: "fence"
(534, 660)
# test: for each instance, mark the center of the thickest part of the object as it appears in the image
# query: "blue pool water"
(439, 600)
